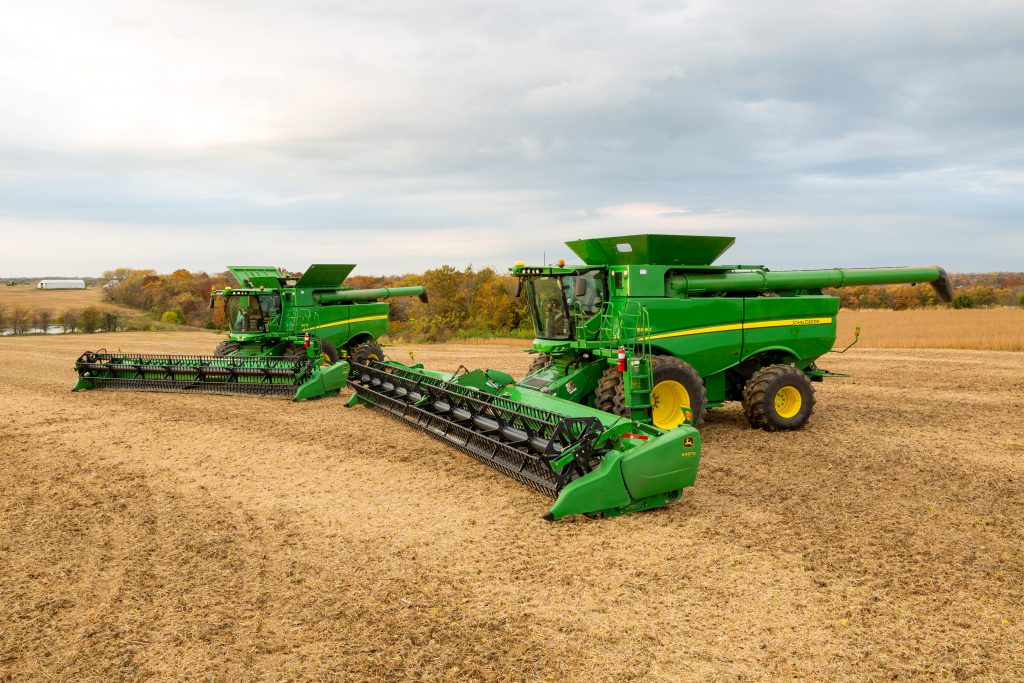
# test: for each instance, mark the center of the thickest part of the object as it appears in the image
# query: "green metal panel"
(339, 324)
(257, 276)
(707, 333)
(805, 326)
(325, 275)
(662, 465)
(645, 280)
(694, 250)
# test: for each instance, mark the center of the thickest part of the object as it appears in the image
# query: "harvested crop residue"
(201, 537)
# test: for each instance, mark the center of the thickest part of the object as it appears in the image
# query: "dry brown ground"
(204, 537)
(57, 300)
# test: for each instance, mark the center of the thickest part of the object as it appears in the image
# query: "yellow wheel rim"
(788, 402)
(372, 356)
(669, 398)
(324, 360)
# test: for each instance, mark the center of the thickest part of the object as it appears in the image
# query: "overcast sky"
(402, 136)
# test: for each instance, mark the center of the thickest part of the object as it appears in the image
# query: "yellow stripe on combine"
(348, 322)
(743, 326)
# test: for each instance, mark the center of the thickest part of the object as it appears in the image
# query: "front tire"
(295, 352)
(368, 352)
(226, 348)
(328, 353)
(609, 395)
(677, 386)
(539, 362)
(778, 398)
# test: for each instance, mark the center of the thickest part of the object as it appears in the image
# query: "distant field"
(57, 300)
(984, 329)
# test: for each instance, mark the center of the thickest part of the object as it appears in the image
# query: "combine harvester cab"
(693, 334)
(590, 461)
(286, 337)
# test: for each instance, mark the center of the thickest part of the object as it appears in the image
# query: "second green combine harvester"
(286, 337)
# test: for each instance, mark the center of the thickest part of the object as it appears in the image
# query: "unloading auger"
(591, 462)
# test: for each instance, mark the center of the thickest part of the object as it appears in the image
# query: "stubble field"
(213, 538)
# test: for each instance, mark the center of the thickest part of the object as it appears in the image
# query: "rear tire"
(226, 348)
(367, 352)
(676, 385)
(539, 362)
(777, 398)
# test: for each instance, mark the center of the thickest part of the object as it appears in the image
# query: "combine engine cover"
(591, 462)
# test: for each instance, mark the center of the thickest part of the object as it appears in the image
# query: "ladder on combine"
(629, 328)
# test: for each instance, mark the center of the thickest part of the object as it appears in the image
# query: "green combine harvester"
(289, 338)
(632, 348)
(650, 327)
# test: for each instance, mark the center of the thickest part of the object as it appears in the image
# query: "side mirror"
(519, 288)
(581, 288)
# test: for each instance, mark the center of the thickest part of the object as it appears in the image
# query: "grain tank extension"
(649, 326)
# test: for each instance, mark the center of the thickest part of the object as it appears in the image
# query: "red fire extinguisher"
(305, 340)
(622, 359)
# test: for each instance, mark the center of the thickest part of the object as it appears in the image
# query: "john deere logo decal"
(687, 442)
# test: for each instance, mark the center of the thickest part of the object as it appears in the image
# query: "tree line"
(463, 303)
(36, 319)
(971, 290)
(180, 298)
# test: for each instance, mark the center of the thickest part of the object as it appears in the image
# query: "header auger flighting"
(286, 337)
(696, 334)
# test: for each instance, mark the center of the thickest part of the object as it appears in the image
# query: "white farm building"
(61, 284)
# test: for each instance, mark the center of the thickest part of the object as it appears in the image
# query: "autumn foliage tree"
(468, 302)
(183, 293)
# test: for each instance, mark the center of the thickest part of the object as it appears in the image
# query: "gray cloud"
(849, 133)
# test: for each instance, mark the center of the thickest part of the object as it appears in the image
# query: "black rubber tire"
(226, 348)
(759, 398)
(295, 352)
(609, 395)
(366, 352)
(539, 362)
(327, 348)
(672, 368)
